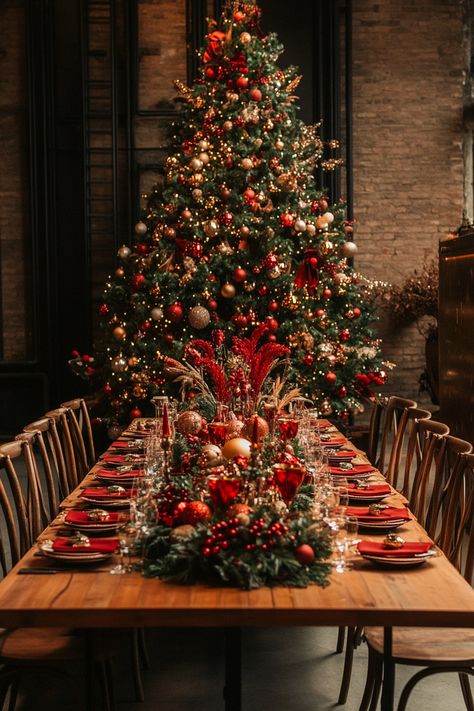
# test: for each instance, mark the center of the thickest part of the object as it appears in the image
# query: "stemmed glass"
(343, 530)
(126, 535)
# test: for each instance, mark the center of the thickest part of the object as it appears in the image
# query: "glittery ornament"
(189, 422)
(140, 228)
(211, 228)
(199, 317)
(124, 252)
(349, 249)
(119, 364)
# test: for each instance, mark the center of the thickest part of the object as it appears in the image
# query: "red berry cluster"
(266, 536)
(221, 534)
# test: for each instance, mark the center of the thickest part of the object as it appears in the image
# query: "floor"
(284, 669)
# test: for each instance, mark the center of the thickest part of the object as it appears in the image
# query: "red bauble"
(249, 195)
(272, 338)
(225, 193)
(308, 359)
(262, 290)
(239, 16)
(271, 323)
(103, 309)
(196, 512)
(137, 281)
(175, 313)
(270, 261)
(240, 320)
(242, 83)
(209, 73)
(212, 305)
(345, 334)
(286, 219)
(323, 204)
(256, 95)
(315, 207)
(146, 325)
(320, 313)
(226, 218)
(342, 391)
(169, 338)
(273, 306)
(327, 293)
(357, 312)
(142, 248)
(313, 261)
(330, 377)
(239, 274)
(304, 554)
(135, 413)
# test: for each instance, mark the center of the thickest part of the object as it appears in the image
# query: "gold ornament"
(197, 194)
(236, 447)
(204, 157)
(245, 38)
(124, 252)
(321, 223)
(210, 455)
(349, 249)
(133, 361)
(274, 272)
(196, 179)
(325, 248)
(119, 272)
(120, 333)
(141, 228)
(155, 291)
(203, 145)
(279, 145)
(248, 286)
(199, 317)
(196, 164)
(228, 291)
(211, 228)
(139, 392)
(227, 125)
(246, 163)
(189, 422)
(291, 302)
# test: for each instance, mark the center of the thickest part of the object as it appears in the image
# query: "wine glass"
(124, 536)
(344, 534)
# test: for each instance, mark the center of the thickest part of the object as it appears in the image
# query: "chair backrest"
(20, 504)
(74, 464)
(404, 443)
(48, 485)
(81, 430)
(52, 458)
(456, 539)
(417, 448)
(388, 416)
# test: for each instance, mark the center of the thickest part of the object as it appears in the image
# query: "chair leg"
(378, 667)
(347, 673)
(144, 656)
(110, 683)
(137, 677)
(466, 691)
(369, 682)
(341, 633)
(102, 675)
(14, 687)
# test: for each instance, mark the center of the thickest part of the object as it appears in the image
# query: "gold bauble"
(349, 249)
(141, 228)
(228, 290)
(245, 38)
(204, 157)
(211, 228)
(133, 361)
(321, 223)
(244, 231)
(274, 272)
(195, 164)
(236, 447)
(197, 194)
(199, 317)
(139, 392)
(248, 286)
(246, 163)
(120, 333)
(210, 455)
(325, 248)
(262, 428)
(196, 179)
(189, 422)
(291, 302)
(119, 272)
(227, 125)
(203, 145)
(155, 291)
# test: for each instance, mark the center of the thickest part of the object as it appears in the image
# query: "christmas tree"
(236, 234)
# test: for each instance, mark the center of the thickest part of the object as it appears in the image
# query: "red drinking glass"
(223, 491)
(288, 427)
(288, 479)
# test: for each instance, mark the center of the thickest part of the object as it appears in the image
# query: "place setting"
(379, 517)
(395, 552)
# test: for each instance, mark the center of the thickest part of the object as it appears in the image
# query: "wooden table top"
(433, 594)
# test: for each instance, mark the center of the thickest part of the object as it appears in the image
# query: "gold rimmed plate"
(398, 562)
(46, 547)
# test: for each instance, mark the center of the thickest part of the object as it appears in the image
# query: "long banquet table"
(433, 594)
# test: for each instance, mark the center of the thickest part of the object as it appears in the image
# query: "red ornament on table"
(304, 554)
(135, 413)
(196, 512)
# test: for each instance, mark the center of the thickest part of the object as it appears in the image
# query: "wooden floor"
(284, 670)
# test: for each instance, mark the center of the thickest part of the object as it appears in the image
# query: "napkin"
(119, 459)
(98, 492)
(333, 442)
(118, 444)
(97, 545)
(408, 549)
(342, 454)
(356, 469)
(388, 514)
(82, 517)
(372, 490)
(130, 474)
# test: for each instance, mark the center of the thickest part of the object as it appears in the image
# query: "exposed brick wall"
(408, 162)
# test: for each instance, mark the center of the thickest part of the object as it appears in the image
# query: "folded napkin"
(324, 424)
(388, 514)
(81, 518)
(119, 459)
(129, 474)
(372, 490)
(97, 545)
(408, 549)
(99, 492)
(342, 454)
(118, 444)
(333, 442)
(356, 469)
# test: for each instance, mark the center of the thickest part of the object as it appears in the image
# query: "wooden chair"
(50, 452)
(81, 430)
(446, 650)
(405, 443)
(47, 483)
(24, 648)
(387, 417)
(75, 462)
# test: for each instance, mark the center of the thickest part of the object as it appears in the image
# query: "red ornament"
(270, 261)
(196, 512)
(137, 281)
(146, 325)
(142, 248)
(357, 312)
(286, 219)
(271, 323)
(313, 261)
(239, 320)
(226, 218)
(342, 391)
(135, 413)
(175, 313)
(308, 359)
(256, 95)
(327, 293)
(239, 274)
(315, 207)
(169, 338)
(239, 16)
(262, 290)
(212, 305)
(225, 192)
(249, 195)
(330, 377)
(272, 338)
(210, 73)
(304, 554)
(273, 306)
(344, 335)
(323, 204)
(103, 310)
(320, 313)
(242, 83)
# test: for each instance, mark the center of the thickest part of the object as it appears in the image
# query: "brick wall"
(408, 162)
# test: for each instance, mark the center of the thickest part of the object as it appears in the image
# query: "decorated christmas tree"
(237, 234)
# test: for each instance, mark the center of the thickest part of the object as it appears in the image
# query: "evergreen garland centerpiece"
(237, 234)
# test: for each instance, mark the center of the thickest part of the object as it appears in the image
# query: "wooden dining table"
(431, 594)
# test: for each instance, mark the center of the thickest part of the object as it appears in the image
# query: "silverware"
(53, 571)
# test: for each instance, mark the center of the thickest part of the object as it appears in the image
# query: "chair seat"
(436, 646)
(46, 645)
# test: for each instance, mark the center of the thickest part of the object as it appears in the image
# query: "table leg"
(388, 689)
(90, 669)
(233, 669)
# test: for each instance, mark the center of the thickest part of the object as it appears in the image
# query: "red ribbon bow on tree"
(308, 273)
(214, 48)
